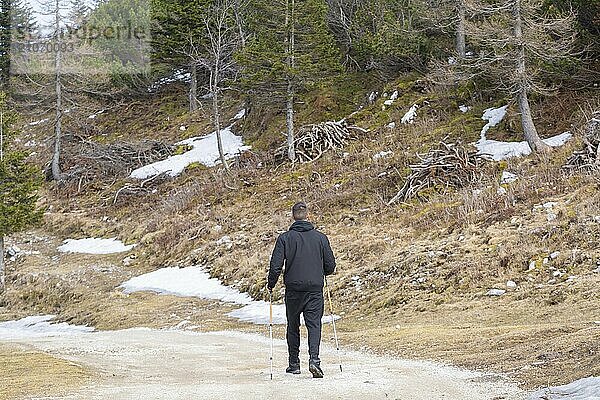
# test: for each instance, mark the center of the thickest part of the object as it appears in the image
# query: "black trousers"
(311, 304)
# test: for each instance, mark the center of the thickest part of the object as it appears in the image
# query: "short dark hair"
(300, 211)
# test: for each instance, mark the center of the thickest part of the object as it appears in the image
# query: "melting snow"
(494, 116)
(196, 282)
(204, 151)
(39, 326)
(583, 389)
(186, 282)
(502, 150)
(409, 117)
(241, 114)
(177, 76)
(94, 246)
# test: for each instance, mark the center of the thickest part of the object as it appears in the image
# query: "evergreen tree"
(19, 182)
(291, 50)
(179, 38)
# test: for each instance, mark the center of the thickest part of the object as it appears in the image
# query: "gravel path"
(152, 364)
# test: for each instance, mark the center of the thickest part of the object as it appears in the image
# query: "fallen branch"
(448, 166)
(588, 158)
(314, 140)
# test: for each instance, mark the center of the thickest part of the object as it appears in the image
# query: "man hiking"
(308, 258)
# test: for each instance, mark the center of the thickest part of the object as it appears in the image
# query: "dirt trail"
(153, 364)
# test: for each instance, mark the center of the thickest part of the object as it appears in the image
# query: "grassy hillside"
(412, 278)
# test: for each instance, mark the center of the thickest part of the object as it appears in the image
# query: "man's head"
(300, 211)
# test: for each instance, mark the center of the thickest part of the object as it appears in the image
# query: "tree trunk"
(461, 46)
(56, 172)
(217, 117)
(240, 24)
(530, 132)
(2, 264)
(290, 39)
(193, 87)
(290, 123)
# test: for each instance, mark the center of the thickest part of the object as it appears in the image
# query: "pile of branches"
(588, 158)
(87, 160)
(314, 140)
(450, 165)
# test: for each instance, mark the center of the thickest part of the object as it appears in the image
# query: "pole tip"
(341, 368)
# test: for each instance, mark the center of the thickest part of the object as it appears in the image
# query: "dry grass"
(28, 373)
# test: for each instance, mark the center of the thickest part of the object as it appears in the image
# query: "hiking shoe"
(293, 369)
(315, 369)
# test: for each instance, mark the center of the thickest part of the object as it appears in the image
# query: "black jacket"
(307, 255)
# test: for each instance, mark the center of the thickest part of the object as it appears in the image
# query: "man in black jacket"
(308, 258)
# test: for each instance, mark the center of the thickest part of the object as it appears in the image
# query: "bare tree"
(223, 32)
(290, 43)
(517, 42)
(56, 172)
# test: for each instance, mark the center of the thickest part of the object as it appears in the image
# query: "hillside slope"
(413, 279)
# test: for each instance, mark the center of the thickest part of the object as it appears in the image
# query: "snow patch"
(178, 76)
(39, 326)
(94, 246)
(196, 282)
(204, 150)
(494, 116)
(464, 108)
(503, 150)
(583, 389)
(241, 114)
(409, 117)
(185, 282)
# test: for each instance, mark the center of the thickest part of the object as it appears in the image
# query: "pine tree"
(19, 182)
(291, 50)
(179, 38)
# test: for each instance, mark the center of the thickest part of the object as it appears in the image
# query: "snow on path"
(151, 364)
(583, 389)
(39, 326)
(204, 150)
(196, 282)
(94, 246)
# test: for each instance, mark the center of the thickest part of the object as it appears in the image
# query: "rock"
(495, 292)
(501, 191)
(531, 266)
(551, 216)
(391, 125)
(555, 255)
(13, 251)
(511, 284)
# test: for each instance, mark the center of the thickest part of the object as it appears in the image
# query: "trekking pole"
(271, 328)
(337, 344)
